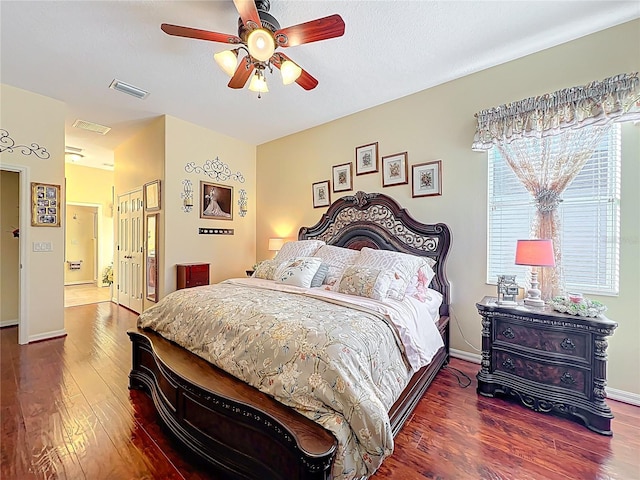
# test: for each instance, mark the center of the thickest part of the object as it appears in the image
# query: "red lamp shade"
(537, 253)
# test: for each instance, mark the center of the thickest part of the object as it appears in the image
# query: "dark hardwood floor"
(66, 412)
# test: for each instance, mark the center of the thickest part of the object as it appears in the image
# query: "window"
(589, 221)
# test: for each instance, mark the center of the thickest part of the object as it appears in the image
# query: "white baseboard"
(622, 396)
(612, 393)
(47, 335)
(8, 323)
(462, 355)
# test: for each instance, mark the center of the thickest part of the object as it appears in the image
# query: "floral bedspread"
(338, 366)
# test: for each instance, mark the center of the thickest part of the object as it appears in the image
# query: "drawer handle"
(508, 364)
(508, 333)
(567, 379)
(568, 344)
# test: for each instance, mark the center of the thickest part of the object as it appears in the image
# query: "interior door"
(130, 250)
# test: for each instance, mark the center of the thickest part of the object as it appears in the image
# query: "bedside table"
(549, 361)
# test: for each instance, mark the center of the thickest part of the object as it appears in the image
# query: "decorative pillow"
(298, 271)
(320, 275)
(267, 269)
(401, 265)
(419, 284)
(338, 258)
(299, 248)
(364, 282)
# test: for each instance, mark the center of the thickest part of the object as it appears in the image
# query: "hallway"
(85, 294)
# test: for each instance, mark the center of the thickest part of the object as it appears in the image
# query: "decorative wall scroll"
(215, 169)
(45, 205)
(8, 144)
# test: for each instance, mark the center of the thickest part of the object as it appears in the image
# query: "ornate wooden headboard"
(377, 221)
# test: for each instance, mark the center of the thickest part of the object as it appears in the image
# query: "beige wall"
(140, 160)
(93, 186)
(31, 118)
(9, 247)
(229, 255)
(80, 245)
(438, 123)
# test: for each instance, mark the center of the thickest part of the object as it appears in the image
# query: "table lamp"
(275, 244)
(535, 253)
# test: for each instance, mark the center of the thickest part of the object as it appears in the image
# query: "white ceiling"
(72, 50)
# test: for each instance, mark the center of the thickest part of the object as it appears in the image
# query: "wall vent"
(92, 127)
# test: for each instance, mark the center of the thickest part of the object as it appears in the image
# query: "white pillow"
(338, 258)
(298, 271)
(418, 287)
(364, 282)
(299, 248)
(401, 265)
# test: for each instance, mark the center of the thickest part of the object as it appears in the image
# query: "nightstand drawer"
(564, 376)
(547, 340)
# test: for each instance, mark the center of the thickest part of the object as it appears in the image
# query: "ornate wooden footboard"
(246, 434)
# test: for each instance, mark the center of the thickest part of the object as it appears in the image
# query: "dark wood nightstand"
(192, 275)
(551, 362)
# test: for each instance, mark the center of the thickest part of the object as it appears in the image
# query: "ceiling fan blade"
(243, 72)
(305, 80)
(313, 31)
(188, 32)
(248, 13)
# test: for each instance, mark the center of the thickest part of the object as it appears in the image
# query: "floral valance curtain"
(525, 131)
(598, 103)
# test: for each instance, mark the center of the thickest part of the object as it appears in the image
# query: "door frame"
(24, 257)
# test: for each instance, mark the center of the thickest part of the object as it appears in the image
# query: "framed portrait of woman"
(216, 201)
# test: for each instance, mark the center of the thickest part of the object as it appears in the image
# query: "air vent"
(92, 127)
(69, 149)
(128, 89)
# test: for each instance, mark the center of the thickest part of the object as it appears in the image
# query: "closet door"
(130, 247)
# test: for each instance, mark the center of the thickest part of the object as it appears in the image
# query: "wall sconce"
(275, 244)
(242, 202)
(187, 196)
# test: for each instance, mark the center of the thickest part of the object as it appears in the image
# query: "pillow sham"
(418, 287)
(402, 267)
(298, 271)
(266, 269)
(364, 282)
(320, 275)
(338, 258)
(299, 248)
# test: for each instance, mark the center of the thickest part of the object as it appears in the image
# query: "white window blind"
(589, 221)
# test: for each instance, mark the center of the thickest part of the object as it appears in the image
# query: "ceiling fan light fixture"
(261, 44)
(290, 72)
(227, 61)
(258, 83)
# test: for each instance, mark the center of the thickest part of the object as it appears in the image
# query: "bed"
(245, 433)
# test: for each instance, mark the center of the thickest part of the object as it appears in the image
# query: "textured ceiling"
(72, 50)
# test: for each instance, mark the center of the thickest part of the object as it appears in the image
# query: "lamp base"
(534, 302)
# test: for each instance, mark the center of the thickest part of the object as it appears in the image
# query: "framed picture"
(152, 196)
(321, 195)
(426, 179)
(216, 201)
(367, 159)
(395, 169)
(342, 177)
(45, 205)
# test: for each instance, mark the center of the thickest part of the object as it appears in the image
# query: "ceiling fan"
(259, 35)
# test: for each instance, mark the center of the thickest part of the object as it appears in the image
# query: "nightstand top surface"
(489, 303)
